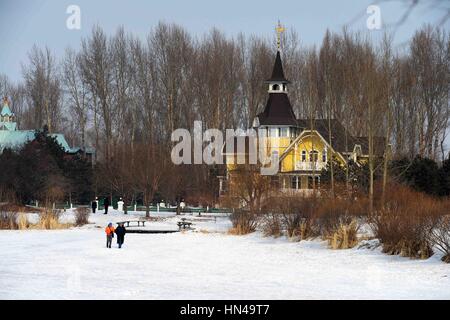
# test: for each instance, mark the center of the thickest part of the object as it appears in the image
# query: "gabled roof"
(17, 138)
(8, 126)
(338, 133)
(278, 111)
(278, 73)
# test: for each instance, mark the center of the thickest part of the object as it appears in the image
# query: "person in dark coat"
(94, 206)
(106, 204)
(120, 231)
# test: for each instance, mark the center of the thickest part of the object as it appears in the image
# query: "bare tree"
(43, 88)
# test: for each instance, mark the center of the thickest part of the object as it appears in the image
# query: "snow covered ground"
(205, 263)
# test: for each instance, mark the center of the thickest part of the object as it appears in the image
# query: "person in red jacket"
(109, 234)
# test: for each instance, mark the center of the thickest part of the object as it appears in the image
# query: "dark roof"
(338, 133)
(278, 111)
(277, 73)
(379, 145)
(338, 136)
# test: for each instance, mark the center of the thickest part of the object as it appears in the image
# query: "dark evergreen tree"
(444, 178)
(41, 170)
(358, 175)
(422, 174)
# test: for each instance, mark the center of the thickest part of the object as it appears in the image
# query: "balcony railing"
(310, 166)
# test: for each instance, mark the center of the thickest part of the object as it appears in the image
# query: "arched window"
(313, 156)
(303, 155)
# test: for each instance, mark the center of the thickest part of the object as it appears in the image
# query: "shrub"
(338, 222)
(295, 214)
(439, 236)
(81, 216)
(403, 223)
(302, 223)
(345, 236)
(272, 225)
(22, 222)
(49, 220)
(243, 222)
(8, 220)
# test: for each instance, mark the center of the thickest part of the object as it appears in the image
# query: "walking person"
(106, 204)
(94, 206)
(109, 234)
(120, 231)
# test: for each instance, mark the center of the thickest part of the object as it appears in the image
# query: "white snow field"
(75, 264)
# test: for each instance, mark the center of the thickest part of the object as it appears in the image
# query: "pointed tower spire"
(278, 110)
(278, 77)
(278, 73)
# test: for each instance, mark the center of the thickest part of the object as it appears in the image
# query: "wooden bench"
(131, 221)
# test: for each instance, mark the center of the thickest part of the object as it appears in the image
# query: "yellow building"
(303, 146)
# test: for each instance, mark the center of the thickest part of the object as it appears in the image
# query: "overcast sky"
(24, 22)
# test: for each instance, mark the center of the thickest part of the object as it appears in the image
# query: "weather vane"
(279, 29)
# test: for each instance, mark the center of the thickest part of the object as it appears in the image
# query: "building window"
(313, 156)
(310, 182)
(284, 132)
(275, 87)
(295, 182)
(303, 155)
(275, 182)
(324, 155)
(293, 132)
(273, 132)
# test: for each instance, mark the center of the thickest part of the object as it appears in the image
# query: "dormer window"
(303, 155)
(313, 156)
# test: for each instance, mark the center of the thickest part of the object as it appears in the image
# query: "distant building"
(13, 138)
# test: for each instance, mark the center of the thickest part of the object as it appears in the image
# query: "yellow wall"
(307, 143)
